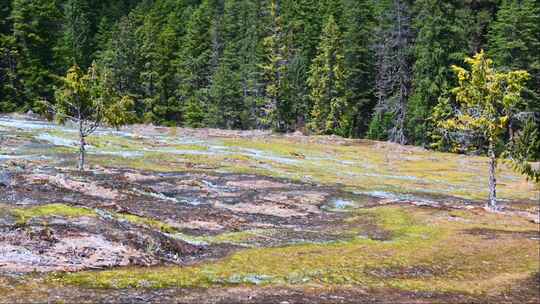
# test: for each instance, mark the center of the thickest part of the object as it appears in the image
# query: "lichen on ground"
(176, 213)
(445, 258)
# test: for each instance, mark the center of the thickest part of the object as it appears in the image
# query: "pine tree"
(35, 30)
(194, 66)
(75, 46)
(275, 67)
(359, 22)
(327, 82)
(441, 41)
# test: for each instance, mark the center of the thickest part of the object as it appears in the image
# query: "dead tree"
(394, 61)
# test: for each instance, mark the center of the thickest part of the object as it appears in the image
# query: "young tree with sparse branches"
(80, 101)
(486, 101)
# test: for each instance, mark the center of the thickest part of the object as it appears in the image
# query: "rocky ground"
(211, 216)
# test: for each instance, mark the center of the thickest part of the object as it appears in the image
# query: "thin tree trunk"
(492, 204)
(81, 147)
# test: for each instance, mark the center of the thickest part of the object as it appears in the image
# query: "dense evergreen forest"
(355, 68)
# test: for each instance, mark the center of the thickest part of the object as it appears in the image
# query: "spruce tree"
(327, 82)
(359, 23)
(194, 66)
(275, 67)
(36, 27)
(75, 45)
(441, 41)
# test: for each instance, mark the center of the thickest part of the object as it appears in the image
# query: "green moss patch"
(427, 252)
(25, 214)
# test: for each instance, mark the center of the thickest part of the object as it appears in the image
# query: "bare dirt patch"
(498, 233)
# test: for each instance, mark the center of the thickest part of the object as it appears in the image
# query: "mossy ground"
(397, 247)
(425, 241)
(25, 214)
(360, 166)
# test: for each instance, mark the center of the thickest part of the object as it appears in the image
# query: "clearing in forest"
(191, 216)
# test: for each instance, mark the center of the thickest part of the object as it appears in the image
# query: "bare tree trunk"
(81, 146)
(492, 204)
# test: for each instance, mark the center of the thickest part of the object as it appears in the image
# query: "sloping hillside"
(206, 215)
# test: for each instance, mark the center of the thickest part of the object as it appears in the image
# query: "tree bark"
(82, 145)
(492, 204)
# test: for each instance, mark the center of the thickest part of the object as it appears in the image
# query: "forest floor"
(212, 216)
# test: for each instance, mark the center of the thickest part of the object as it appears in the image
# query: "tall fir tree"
(9, 56)
(35, 30)
(161, 38)
(359, 23)
(302, 22)
(75, 47)
(275, 67)
(122, 57)
(327, 82)
(514, 41)
(194, 60)
(514, 38)
(441, 41)
(235, 88)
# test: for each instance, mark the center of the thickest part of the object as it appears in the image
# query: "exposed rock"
(264, 209)
(255, 184)
(19, 252)
(86, 188)
(137, 177)
(5, 179)
(205, 225)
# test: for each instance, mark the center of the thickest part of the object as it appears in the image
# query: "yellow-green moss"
(331, 262)
(418, 240)
(365, 165)
(234, 237)
(25, 214)
(156, 224)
